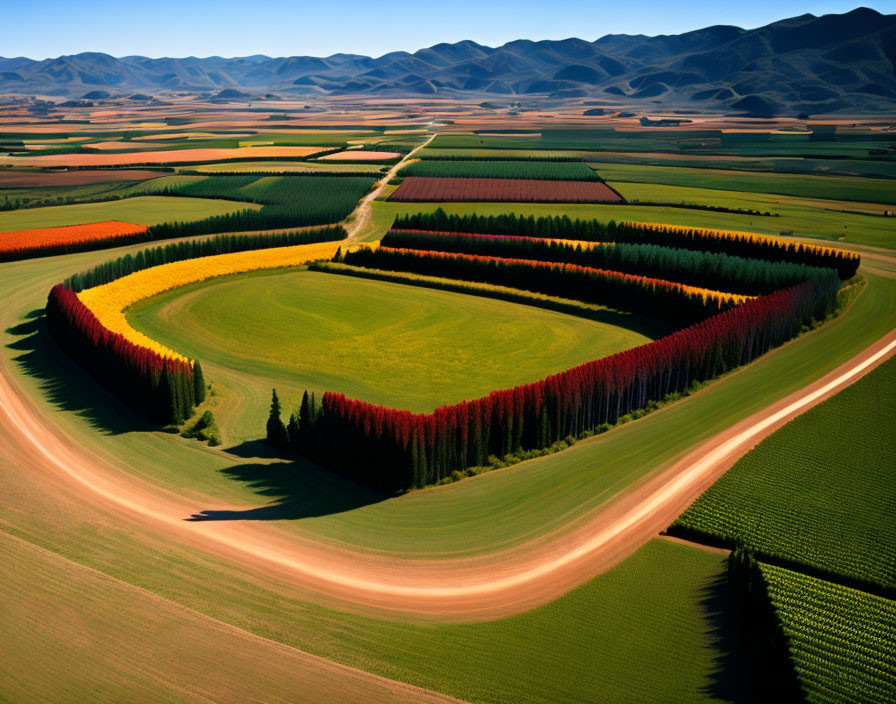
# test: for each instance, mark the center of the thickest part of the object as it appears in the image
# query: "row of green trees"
(712, 270)
(191, 249)
(563, 227)
(621, 291)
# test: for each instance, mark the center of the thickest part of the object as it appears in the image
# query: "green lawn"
(820, 491)
(864, 190)
(143, 210)
(386, 343)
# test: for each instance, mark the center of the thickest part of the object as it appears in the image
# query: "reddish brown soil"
(418, 189)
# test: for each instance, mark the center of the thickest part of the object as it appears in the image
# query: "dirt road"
(361, 215)
(486, 586)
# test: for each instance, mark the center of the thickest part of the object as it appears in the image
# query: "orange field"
(170, 156)
(71, 234)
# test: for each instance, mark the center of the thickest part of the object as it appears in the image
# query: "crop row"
(417, 189)
(742, 244)
(49, 241)
(288, 201)
(543, 170)
(842, 641)
(709, 270)
(818, 494)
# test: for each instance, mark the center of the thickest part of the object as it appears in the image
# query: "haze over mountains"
(803, 64)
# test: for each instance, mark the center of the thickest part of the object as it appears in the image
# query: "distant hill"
(804, 64)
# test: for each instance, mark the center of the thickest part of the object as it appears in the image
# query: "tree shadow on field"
(300, 489)
(64, 384)
(730, 679)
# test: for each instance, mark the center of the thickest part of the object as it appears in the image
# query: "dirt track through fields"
(487, 586)
(361, 215)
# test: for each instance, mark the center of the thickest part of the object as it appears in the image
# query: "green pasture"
(389, 344)
(863, 190)
(821, 491)
(143, 210)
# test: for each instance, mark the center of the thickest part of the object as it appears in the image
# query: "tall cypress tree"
(198, 383)
(276, 431)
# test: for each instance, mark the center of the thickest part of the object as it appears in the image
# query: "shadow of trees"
(300, 489)
(731, 680)
(66, 385)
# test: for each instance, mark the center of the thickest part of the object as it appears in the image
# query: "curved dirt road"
(480, 587)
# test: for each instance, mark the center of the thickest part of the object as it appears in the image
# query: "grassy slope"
(803, 219)
(864, 190)
(358, 337)
(842, 640)
(821, 490)
(479, 515)
(81, 635)
(143, 210)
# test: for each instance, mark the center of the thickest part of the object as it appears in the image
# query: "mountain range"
(803, 64)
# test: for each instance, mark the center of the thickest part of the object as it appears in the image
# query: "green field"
(821, 491)
(863, 190)
(143, 210)
(657, 628)
(479, 515)
(546, 170)
(359, 337)
(842, 640)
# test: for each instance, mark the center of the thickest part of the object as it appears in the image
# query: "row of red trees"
(162, 388)
(395, 450)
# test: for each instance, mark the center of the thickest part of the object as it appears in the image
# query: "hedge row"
(395, 450)
(741, 244)
(709, 270)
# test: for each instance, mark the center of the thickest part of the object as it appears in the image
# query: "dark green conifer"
(198, 383)
(276, 431)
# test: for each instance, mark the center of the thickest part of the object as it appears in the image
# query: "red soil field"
(16, 179)
(421, 189)
(171, 156)
(71, 234)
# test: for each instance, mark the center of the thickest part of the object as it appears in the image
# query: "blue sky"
(49, 28)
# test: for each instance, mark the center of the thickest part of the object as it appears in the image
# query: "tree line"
(396, 450)
(657, 297)
(160, 388)
(712, 270)
(563, 227)
(191, 249)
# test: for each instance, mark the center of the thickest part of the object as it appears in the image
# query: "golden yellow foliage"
(109, 301)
